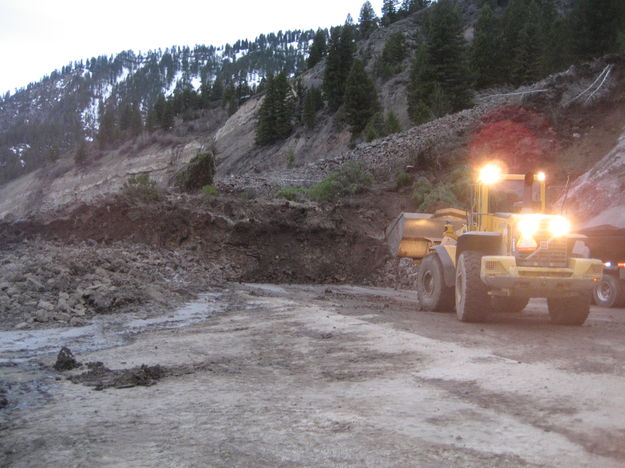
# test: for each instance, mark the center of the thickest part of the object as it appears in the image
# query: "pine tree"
(527, 56)
(312, 104)
(361, 101)
(597, 25)
(439, 77)
(108, 131)
(410, 6)
(275, 119)
(341, 50)
(317, 49)
(514, 20)
(486, 50)
(389, 12)
(368, 20)
(393, 55)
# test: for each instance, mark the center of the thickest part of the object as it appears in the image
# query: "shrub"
(420, 189)
(403, 179)
(352, 178)
(210, 191)
(142, 187)
(199, 172)
(290, 193)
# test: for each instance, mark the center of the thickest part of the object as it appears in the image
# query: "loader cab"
(497, 194)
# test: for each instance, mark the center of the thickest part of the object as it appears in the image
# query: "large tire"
(569, 310)
(609, 292)
(472, 300)
(433, 294)
(509, 305)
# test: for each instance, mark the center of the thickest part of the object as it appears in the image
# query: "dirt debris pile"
(49, 283)
(65, 360)
(100, 377)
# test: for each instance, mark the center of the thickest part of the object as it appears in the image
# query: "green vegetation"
(352, 178)
(393, 55)
(275, 120)
(142, 187)
(210, 191)
(290, 193)
(198, 173)
(403, 179)
(361, 100)
(453, 193)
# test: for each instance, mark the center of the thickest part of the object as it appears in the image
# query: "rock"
(76, 322)
(62, 304)
(79, 310)
(4, 286)
(62, 317)
(21, 325)
(42, 316)
(45, 305)
(65, 360)
(31, 281)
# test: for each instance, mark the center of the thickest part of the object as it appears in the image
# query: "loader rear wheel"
(569, 310)
(509, 305)
(434, 294)
(609, 292)
(472, 300)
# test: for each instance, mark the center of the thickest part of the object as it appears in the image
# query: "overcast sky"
(38, 36)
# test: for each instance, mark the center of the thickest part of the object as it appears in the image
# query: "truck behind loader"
(481, 260)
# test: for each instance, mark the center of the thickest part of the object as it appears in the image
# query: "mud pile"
(49, 283)
(124, 254)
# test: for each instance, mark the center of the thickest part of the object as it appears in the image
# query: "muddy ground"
(285, 375)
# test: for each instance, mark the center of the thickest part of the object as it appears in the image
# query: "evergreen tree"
(389, 12)
(514, 20)
(410, 6)
(391, 123)
(168, 117)
(527, 57)
(361, 101)
(341, 50)
(486, 56)
(597, 25)
(313, 103)
(107, 132)
(317, 49)
(368, 20)
(439, 77)
(393, 55)
(275, 119)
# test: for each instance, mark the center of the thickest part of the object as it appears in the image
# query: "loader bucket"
(411, 235)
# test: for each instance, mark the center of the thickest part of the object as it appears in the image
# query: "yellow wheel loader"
(483, 260)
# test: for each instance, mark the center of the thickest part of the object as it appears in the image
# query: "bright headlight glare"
(559, 226)
(528, 225)
(490, 174)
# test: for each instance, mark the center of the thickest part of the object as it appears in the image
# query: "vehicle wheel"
(472, 301)
(609, 292)
(433, 294)
(509, 305)
(569, 310)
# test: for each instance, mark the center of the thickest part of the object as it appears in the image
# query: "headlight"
(559, 226)
(528, 226)
(490, 174)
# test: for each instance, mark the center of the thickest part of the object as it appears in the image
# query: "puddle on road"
(27, 382)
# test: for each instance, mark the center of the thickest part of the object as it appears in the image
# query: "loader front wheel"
(434, 294)
(472, 300)
(569, 310)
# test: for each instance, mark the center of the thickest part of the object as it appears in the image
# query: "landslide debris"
(65, 360)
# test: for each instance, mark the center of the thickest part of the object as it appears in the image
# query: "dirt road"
(321, 376)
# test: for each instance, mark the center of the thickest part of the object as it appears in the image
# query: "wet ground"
(269, 375)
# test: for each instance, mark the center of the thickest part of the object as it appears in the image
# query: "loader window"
(507, 197)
